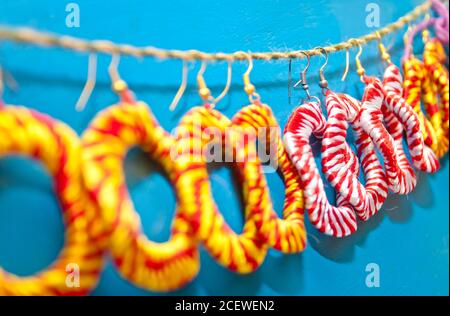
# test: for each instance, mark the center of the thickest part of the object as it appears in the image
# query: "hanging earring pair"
(35, 135)
(400, 175)
(343, 110)
(403, 114)
(427, 81)
(245, 252)
(339, 163)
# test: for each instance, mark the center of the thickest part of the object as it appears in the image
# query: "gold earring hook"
(227, 85)
(383, 51)
(182, 88)
(359, 68)
(323, 83)
(203, 90)
(90, 83)
(249, 88)
(118, 85)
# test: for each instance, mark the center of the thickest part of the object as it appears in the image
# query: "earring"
(436, 92)
(245, 252)
(342, 109)
(306, 120)
(155, 266)
(400, 175)
(366, 199)
(288, 234)
(38, 136)
(417, 86)
(399, 113)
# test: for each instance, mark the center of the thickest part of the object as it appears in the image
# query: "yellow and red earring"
(427, 81)
(27, 132)
(155, 266)
(242, 253)
(436, 91)
(286, 234)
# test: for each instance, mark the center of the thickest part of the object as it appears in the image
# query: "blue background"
(408, 239)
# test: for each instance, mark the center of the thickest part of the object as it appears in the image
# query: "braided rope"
(27, 132)
(31, 36)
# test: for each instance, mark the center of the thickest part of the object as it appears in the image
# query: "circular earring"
(436, 89)
(366, 199)
(76, 270)
(286, 234)
(373, 113)
(155, 266)
(199, 128)
(306, 120)
(242, 253)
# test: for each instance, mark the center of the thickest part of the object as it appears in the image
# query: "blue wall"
(408, 239)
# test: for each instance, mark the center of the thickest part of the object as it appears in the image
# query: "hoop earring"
(242, 253)
(436, 89)
(155, 266)
(286, 234)
(30, 133)
(373, 112)
(366, 199)
(306, 120)
(398, 112)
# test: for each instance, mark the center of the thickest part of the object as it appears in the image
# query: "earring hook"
(359, 68)
(119, 86)
(90, 83)
(323, 83)
(289, 80)
(203, 90)
(383, 51)
(182, 88)
(249, 88)
(347, 64)
(303, 79)
(227, 85)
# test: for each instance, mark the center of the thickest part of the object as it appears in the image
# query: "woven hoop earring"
(27, 132)
(398, 112)
(436, 89)
(286, 234)
(305, 121)
(155, 266)
(242, 253)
